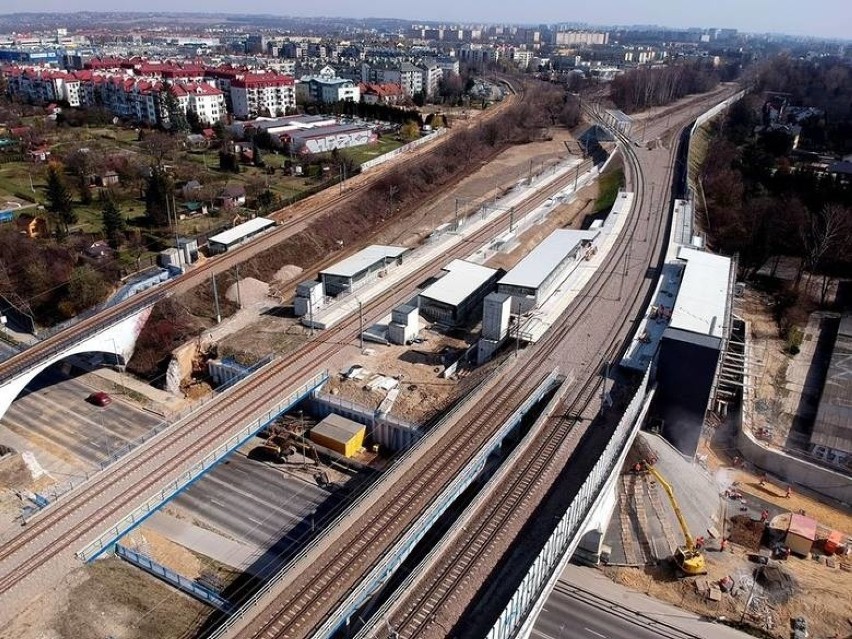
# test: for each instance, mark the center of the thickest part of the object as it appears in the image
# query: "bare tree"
(825, 233)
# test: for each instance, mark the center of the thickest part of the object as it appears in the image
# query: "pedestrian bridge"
(115, 335)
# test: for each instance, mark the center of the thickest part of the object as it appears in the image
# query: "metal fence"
(127, 523)
(406, 148)
(189, 586)
(544, 570)
(343, 515)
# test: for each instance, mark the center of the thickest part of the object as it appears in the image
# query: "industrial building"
(536, 276)
(309, 298)
(457, 295)
(691, 345)
(357, 270)
(239, 234)
(831, 438)
(327, 139)
(404, 324)
(338, 434)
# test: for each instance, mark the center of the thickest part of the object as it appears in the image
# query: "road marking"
(597, 634)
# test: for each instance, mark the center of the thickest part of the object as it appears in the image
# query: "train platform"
(539, 320)
(434, 250)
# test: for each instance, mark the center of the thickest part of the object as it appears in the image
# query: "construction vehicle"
(688, 558)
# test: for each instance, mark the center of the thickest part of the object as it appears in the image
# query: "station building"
(457, 295)
(241, 233)
(691, 345)
(359, 269)
(536, 276)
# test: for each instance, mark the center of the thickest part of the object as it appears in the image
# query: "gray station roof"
(364, 259)
(240, 231)
(702, 300)
(537, 266)
(462, 279)
(833, 424)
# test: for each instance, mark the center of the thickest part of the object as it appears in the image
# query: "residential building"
(382, 94)
(327, 90)
(432, 75)
(255, 94)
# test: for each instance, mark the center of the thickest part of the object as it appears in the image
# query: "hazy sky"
(823, 18)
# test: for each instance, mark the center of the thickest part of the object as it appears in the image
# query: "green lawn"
(361, 154)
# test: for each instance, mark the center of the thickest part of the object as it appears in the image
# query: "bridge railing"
(566, 535)
(14, 368)
(127, 523)
(256, 598)
(190, 586)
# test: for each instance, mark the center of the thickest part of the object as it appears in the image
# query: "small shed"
(801, 534)
(339, 434)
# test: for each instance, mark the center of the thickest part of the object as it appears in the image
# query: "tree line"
(765, 198)
(647, 87)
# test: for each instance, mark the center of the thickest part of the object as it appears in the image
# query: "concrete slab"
(206, 542)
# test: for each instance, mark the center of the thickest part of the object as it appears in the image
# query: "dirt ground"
(818, 593)
(110, 599)
(497, 176)
(564, 216)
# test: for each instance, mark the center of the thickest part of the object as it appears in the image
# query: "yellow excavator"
(688, 558)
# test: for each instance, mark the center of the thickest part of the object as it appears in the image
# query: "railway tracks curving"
(298, 610)
(476, 548)
(74, 518)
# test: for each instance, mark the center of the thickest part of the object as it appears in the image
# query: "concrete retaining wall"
(795, 470)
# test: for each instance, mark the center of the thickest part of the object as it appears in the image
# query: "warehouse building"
(328, 138)
(338, 434)
(357, 270)
(536, 276)
(692, 344)
(237, 235)
(457, 295)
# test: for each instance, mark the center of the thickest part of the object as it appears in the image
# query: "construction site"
(769, 556)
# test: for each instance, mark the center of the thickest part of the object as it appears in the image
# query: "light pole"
(360, 324)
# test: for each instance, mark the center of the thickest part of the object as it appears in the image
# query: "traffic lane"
(53, 412)
(252, 502)
(564, 617)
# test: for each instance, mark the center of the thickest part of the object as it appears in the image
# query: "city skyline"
(821, 20)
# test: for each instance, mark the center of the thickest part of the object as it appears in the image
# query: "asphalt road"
(255, 503)
(53, 409)
(565, 617)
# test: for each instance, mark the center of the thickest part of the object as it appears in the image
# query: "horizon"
(784, 23)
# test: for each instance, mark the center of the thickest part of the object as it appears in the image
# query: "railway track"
(295, 612)
(479, 546)
(290, 219)
(177, 448)
(300, 609)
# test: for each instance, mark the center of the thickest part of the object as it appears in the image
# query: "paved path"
(226, 551)
(585, 604)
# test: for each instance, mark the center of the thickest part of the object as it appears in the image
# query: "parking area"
(52, 419)
(251, 514)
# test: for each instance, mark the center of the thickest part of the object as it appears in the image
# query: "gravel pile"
(251, 291)
(288, 272)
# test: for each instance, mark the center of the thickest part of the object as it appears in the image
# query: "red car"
(99, 399)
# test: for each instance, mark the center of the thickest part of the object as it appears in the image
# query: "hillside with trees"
(768, 177)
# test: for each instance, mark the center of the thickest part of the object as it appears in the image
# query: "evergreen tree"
(175, 118)
(59, 200)
(194, 122)
(157, 194)
(113, 222)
